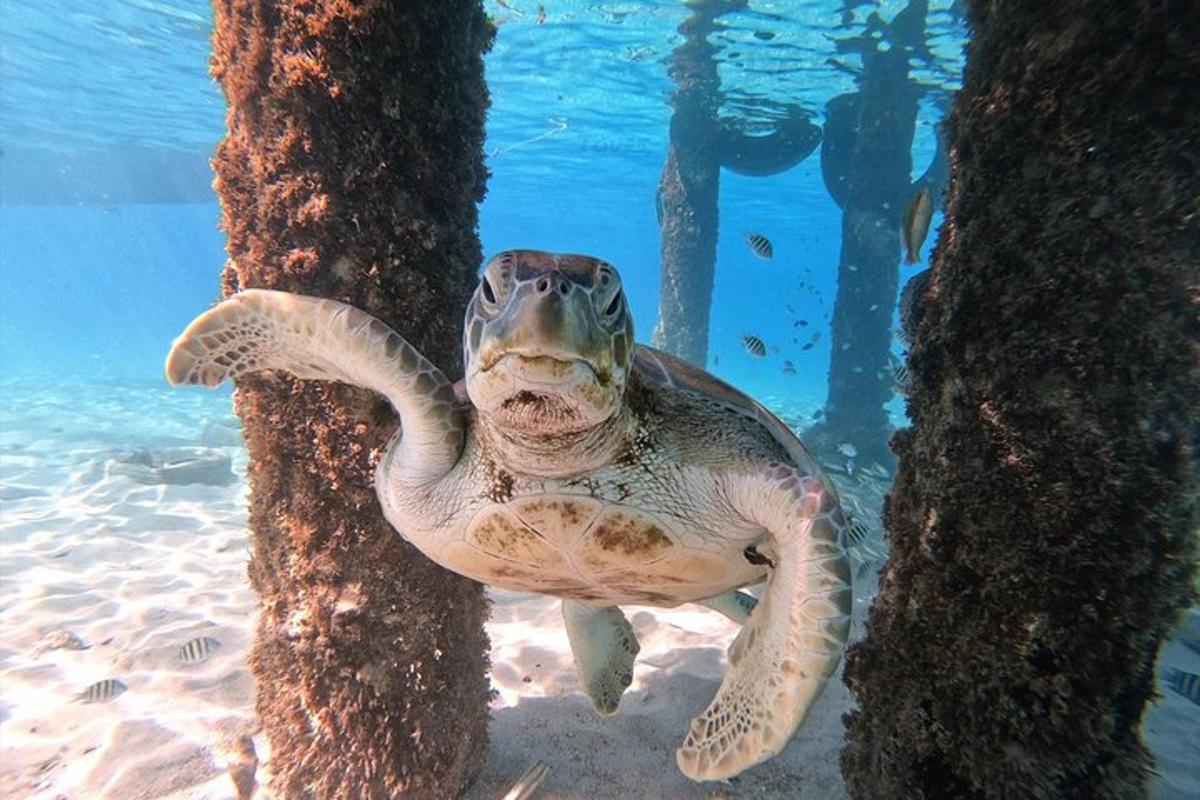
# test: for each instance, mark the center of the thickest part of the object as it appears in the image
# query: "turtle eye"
(614, 306)
(485, 286)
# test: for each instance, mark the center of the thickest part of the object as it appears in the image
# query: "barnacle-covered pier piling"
(351, 169)
(1043, 521)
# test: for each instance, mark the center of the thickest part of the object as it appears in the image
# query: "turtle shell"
(662, 369)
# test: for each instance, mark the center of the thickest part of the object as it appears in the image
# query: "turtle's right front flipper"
(259, 329)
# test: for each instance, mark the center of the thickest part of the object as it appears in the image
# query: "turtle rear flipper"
(793, 641)
(604, 646)
(736, 606)
(260, 329)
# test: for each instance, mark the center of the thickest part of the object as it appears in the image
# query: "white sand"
(135, 571)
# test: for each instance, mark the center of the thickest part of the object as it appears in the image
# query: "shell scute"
(559, 519)
(621, 538)
(497, 533)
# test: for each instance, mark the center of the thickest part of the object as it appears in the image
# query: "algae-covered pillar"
(351, 169)
(866, 163)
(1043, 521)
(700, 144)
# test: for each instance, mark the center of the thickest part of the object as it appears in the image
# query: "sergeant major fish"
(760, 246)
(754, 345)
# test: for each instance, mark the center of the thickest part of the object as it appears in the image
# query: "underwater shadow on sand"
(632, 754)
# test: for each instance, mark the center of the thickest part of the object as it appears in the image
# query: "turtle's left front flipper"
(310, 337)
(793, 641)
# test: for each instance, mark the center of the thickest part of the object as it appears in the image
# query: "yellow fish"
(916, 224)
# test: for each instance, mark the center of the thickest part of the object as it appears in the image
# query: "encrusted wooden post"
(351, 169)
(1044, 517)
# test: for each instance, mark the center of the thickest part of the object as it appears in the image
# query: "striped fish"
(899, 370)
(103, 691)
(527, 783)
(197, 651)
(760, 245)
(912, 305)
(1183, 683)
(754, 345)
(856, 533)
(865, 567)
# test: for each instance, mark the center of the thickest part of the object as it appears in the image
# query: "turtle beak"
(549, 318)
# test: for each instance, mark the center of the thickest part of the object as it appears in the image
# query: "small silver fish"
(877, 470)
(1183, 683)
(760, 245)
(847, 449)
(524, 787)
(197, 650)
(103, 691)
(865, 567)
(789, 368)
(836, 467)
(916, 224)
(754, 345)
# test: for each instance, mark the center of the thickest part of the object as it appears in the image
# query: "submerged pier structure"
(1043, 521)
(700, 145)
(867, 164)
(351, 169)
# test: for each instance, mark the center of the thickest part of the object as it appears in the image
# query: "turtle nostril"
(543, 284)
(564, 288)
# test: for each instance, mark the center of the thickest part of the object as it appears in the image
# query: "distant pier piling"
(866, 164)
(700, 144)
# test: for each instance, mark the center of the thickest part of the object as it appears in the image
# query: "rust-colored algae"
(1044, 514)
(370, 661)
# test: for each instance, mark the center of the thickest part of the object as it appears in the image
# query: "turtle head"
(548, 342)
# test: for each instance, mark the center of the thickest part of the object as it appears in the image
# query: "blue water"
(109, 246)
(101, 267)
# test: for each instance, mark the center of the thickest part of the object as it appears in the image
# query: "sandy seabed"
(107, 577)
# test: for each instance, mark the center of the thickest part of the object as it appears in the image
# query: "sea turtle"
(573, 462)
